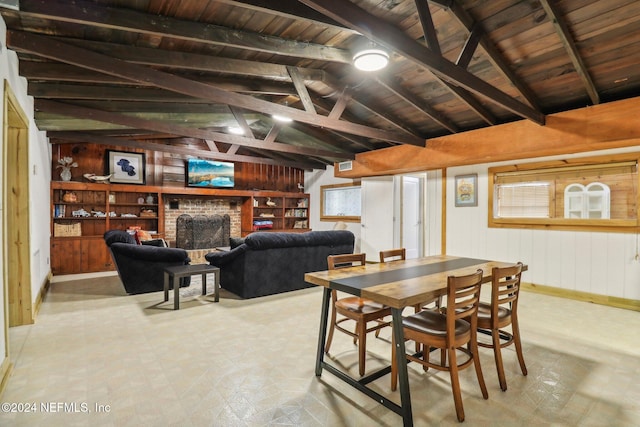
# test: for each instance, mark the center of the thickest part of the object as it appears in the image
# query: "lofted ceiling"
(175, 75)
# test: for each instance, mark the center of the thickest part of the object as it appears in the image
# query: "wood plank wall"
(168, 170)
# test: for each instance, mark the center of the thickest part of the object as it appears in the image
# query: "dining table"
(397, 284)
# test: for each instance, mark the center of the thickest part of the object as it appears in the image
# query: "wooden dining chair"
(494, 317)
(360, 310)
(399, 254)
(454, 330)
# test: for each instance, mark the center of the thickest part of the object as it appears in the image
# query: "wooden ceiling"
(174, 75)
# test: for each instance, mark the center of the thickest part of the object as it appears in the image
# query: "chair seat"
(359, 305)
(433, 323)
(484, 315)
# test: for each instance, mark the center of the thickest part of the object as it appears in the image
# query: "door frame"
(16, 218)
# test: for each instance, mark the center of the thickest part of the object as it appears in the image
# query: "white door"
(412, 229)
(377, 216)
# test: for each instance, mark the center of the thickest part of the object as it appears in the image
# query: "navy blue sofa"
(267, 263)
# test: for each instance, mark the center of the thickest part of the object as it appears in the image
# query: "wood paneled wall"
(168, 170)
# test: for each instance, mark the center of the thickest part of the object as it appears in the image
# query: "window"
(526, 200)
(340, 202)
(591, 201)
(599, 193)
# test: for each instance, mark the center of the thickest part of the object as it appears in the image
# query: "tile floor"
(101, 358)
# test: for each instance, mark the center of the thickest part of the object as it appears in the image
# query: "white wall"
(312, 182)
(594, 262)
(40, 173)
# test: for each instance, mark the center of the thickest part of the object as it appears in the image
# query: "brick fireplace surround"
(200, 206)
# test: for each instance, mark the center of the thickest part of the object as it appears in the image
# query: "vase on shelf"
(65, 174)
(66, 163)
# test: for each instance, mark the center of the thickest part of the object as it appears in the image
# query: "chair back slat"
(463, 295)
(335, 262)
(505, 287)
(393, 255)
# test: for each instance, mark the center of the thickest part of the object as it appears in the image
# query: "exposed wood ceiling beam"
(431, 37)
(428, 29)
(303, 93)
(193, 61)
(51, 49)
(236, 67)
(393, 38)
(156, 126)
(88, 13)
(341, 103)
(419, 104)
(57, 72)
(563, 31)
(71, 137)
(292, 9)
(494, 54)
(469, 48)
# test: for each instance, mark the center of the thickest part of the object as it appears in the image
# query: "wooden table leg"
(204, 283)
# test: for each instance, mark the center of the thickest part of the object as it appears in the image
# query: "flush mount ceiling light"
(283, 119)
(372, 59)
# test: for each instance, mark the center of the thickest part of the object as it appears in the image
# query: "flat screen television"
(209, 173)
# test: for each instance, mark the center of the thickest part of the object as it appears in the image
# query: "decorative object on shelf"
(66, 163)
(80, 213)
(150, 199)
(104, 179)
(67, 230)
(126, 168)
(270, 203)
(112, 197)
(141, 200)
(147, 213)
(69, 197)
(300, 188)
(466, 190)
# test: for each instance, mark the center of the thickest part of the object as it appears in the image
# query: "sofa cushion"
(234, 242)
(265, 240)
(118, 236)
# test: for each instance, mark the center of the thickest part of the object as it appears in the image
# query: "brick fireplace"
(176, 206)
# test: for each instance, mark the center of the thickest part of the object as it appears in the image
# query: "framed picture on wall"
(126, 168)
(467, 190)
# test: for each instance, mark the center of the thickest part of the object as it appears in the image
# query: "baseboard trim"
(628, 304)
(5, 372)
(42, 293)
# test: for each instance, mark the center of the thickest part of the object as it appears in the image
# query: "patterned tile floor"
(97, 357)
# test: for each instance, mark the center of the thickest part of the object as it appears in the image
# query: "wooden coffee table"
(173, 274)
